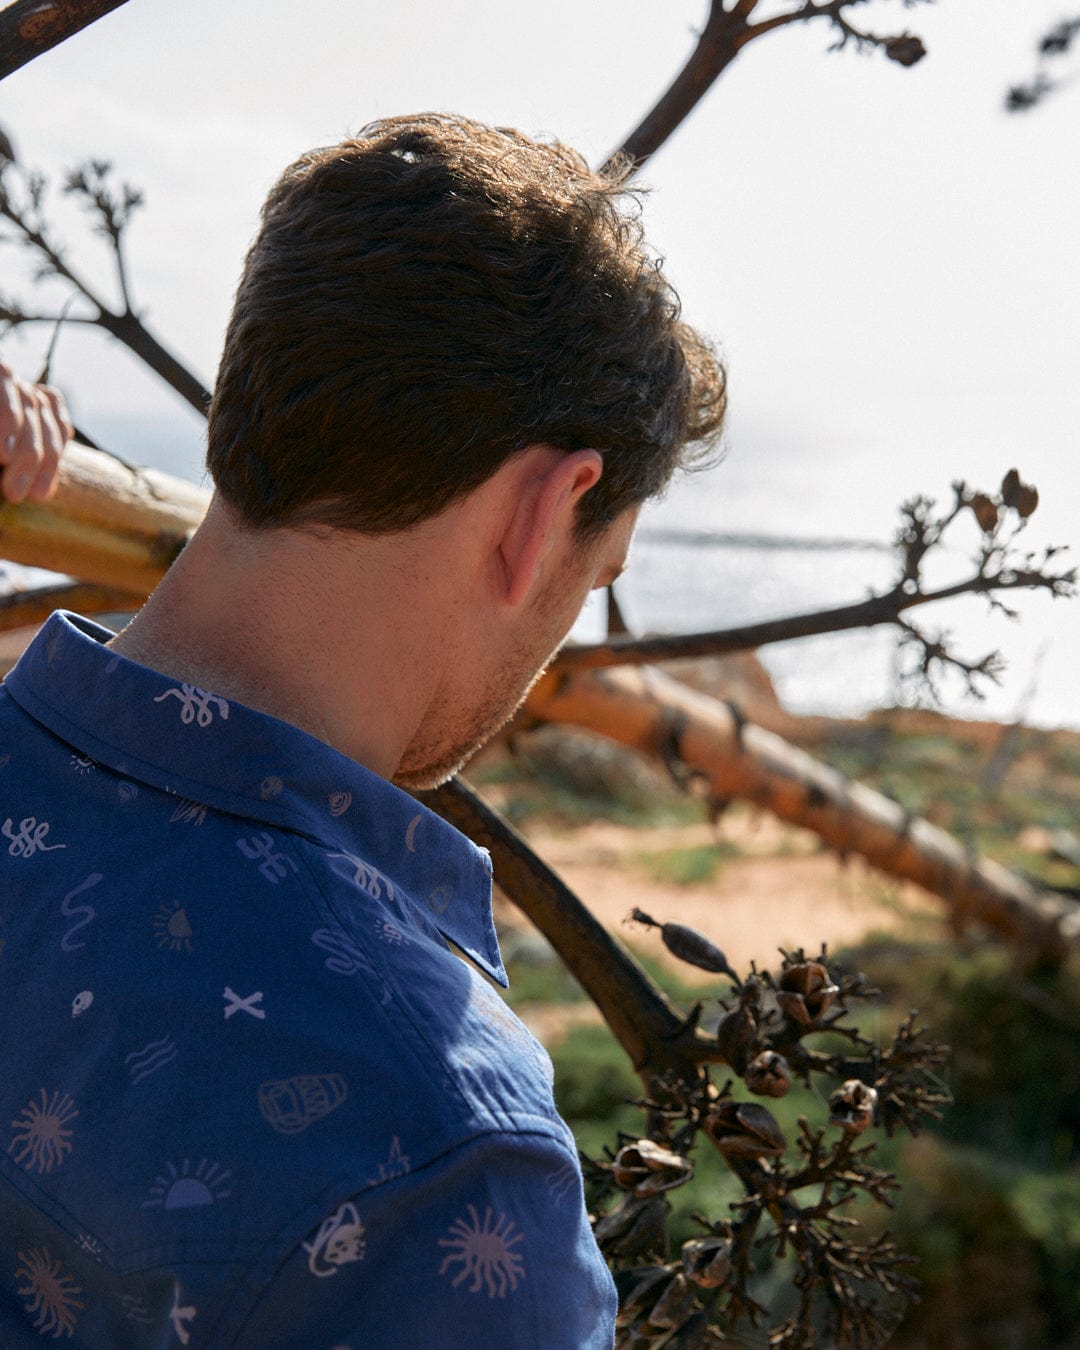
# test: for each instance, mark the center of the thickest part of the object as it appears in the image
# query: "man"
(254, 1097)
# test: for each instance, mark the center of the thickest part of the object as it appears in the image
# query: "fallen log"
(108, 522)
(656, 715)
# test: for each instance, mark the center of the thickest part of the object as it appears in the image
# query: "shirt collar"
(193, 743)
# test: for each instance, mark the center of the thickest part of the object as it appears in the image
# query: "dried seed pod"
(852, 1106)
(736, 1035)
(638, 1288)
(985, 510)
(806, 992)
(744, 1130)
(707, 1261)
(647, 1169)
(694, 1334)
(632, 1227)
(768, 1075)
(1022, 497)
(673, 1306)
(688, 945)
(905, 49)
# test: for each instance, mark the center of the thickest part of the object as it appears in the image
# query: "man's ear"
(553, 483)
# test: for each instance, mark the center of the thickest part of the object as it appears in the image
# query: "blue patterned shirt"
(249, 1096)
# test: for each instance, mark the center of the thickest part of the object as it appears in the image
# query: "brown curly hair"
(430, 297)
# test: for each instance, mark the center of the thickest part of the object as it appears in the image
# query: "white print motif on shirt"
(42, 1132)
(439, 899)
(272, 865)
(396, 1165)
(339, 1241)
(89, 1244)
(81, 765)
(81, 1002)
(485, 1251)
(291, 1105)
(368, 878)
(234, 1004)
(181, 1316)
(153, 1056)
(135, 1310)
(172, 928)
(66, 943)
(345, 958)
(196, 705)
(188, 1187)
(410, 833)
(565, 1180)
(339, 802)
(30, 838)
(48, 1292)
(188, 812)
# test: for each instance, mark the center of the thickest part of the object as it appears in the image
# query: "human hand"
(34, 428)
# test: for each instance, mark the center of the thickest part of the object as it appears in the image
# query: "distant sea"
(746, 541)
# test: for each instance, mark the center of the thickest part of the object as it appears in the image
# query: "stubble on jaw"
(430, 765)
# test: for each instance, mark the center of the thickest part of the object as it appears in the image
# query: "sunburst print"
(171, 927)
(187, 1187)
(42, 1137)
(50, 1295)
(485, 1251)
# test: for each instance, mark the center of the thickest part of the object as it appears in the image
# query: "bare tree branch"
(30, 27)
(654, 1035)
(726, 33)
(998, 566)
(1054, 44)
(22, 198)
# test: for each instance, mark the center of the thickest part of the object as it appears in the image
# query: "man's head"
(426, 300)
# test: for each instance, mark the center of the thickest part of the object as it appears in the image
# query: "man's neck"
(305, 628)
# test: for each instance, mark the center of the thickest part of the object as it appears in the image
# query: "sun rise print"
(172, 929)
(188, 1186)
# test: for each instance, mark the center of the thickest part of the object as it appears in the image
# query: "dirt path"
(772, 887)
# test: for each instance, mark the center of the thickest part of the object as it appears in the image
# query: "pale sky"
(888, 260)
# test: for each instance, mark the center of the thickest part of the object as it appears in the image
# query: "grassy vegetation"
(984, 794)
(691, 865)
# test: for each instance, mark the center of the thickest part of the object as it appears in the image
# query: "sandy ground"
(778, 890)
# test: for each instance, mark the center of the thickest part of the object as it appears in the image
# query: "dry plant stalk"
(849, 1290)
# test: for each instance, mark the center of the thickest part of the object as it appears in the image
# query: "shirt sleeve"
(488, 1246)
